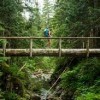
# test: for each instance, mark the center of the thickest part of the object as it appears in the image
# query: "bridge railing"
(59, 39)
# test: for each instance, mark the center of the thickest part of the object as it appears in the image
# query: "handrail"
(49, 37)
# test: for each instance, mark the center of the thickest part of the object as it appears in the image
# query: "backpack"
(46, 32)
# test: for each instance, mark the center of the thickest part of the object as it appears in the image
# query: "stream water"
(44, 94)
(43, 78)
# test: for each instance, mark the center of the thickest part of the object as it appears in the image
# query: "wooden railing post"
(87, 47)
(4, 48)
(60, 47)
(83, 43)
(31, 46)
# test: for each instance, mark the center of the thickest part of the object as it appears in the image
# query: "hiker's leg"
(49, 43)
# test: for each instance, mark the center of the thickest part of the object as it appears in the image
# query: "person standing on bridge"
(47, 33)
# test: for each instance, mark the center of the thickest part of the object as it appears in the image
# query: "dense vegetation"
(78, 77)
(80, 80)
(16, 72)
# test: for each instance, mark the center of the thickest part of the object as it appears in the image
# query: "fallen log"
(50, 52)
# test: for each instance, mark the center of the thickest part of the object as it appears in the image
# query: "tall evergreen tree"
(11, 17)
(47, 12)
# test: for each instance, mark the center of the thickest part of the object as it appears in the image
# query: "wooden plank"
(51, 52)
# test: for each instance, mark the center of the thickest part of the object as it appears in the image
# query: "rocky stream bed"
(43, 78)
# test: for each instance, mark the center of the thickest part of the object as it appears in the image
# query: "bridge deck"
(50, 52)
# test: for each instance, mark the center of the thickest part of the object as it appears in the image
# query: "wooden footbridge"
(85, 51)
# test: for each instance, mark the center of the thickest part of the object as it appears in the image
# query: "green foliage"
(16, 73)
(83, 80)
(70, 79)
(36, 86)
(75, 17)
(89, 96)
(47, 13)
(89, 70)
(10, 15)
(48, 63)
(11, 96)
(1, 95)
(3, 59)
(78, 18)
(72, 18)
(1, 28)
(2, 42)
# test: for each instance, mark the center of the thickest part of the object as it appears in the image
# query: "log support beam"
(52, 52)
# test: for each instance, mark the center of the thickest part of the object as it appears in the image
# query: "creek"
(42, 78)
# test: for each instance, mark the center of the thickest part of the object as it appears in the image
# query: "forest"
(46, 77)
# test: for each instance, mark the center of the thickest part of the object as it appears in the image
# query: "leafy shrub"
(89, 96)
(11, 96)
(83, 80)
